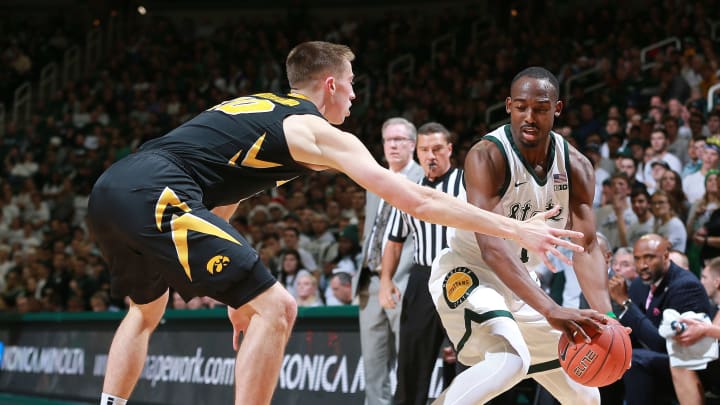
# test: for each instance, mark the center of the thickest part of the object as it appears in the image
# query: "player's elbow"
(491, 253)
(422, 205)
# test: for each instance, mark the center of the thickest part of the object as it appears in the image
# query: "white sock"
(107, 399)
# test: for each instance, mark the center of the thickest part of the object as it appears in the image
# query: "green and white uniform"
(479, 312)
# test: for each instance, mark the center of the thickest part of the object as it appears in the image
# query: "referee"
(421, 332)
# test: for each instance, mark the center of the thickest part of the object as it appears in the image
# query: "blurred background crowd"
(641, 116)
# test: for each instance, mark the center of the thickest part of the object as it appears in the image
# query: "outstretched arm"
(590, 264)
(315, 143)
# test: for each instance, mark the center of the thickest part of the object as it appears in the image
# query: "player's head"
(651, 254)
(398, 137)
(434, 148)
(533, 105)
(319, 66)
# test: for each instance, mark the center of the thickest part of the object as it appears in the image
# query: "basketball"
(602, 361)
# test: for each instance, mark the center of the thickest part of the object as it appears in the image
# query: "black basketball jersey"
(238, 147)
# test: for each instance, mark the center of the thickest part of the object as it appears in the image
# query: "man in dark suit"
(661, 284)
(379, 327)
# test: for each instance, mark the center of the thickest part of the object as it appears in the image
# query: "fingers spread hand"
(567, 233)
(550, 266)
(566, 243)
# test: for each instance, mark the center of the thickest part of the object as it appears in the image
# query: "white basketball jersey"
(524, 194)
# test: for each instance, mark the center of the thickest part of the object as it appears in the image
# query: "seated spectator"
(667, 224)
(661, 284)
(694, 152)
(614, 218)
(623, 264)
(671, 183)
(341, 287)
(291, 240)
(659, 153)
(100, 302)
(27, 303)
(307, 291)
(708, 237)
(699, 215)
(290, 266)
(694, 184)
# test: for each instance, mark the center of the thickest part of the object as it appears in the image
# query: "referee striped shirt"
(429, 239)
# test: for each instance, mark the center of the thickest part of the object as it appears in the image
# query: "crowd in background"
(646, 126)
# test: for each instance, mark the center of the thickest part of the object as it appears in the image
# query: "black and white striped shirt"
(429, 238)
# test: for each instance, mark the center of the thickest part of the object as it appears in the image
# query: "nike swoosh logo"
(519, 183)
(563, 353)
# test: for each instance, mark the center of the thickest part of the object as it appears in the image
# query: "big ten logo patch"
(217, 264)
(458, 285)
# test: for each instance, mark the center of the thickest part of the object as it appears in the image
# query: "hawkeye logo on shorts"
(217, 264)
(184, 222)
(458, 285)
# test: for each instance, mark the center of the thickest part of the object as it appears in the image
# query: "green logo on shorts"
(458, 285)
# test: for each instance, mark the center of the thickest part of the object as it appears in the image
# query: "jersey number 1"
(524, 255)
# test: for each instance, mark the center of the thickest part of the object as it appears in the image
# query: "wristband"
(612, 315)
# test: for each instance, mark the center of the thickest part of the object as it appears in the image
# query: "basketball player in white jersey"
(503, 325)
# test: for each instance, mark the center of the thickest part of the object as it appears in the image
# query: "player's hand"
(571, 322)
(538, 237)
(240, 320)
(610, 320)
(389, 294)
(695, 331)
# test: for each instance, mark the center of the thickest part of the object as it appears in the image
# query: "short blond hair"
(310, 59)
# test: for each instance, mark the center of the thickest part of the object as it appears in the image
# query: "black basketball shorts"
(146, 214)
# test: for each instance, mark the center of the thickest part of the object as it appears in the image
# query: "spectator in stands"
(341, 287)
(708, 237)
(694, 184)
(699, 215)
(667, 223)
(677, 145)
(306, 288)
(614, 218)
(694, 152)
(321, 238)
(671, 183)
(291, 265)
(291, 240)
(659, 153)
(100, 302)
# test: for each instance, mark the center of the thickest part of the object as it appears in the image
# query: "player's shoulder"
(579, 162)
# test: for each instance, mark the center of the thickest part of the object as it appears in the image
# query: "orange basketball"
(600, 362)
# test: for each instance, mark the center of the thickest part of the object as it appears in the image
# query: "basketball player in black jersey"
(160, 215)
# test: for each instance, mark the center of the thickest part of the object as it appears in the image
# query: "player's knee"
(286, 310)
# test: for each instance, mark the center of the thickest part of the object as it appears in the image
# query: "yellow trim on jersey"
(167, 197)
(180, 225)
(251, 159)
